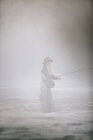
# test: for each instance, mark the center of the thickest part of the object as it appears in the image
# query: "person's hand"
(58, 77)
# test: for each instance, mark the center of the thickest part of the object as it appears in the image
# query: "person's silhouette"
(46, 84)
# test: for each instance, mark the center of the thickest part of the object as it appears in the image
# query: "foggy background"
(30, 30)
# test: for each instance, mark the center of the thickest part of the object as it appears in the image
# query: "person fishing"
(47, 84)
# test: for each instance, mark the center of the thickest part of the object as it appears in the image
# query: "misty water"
(31, 30)
(21, 117)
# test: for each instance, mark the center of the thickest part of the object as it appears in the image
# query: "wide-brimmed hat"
(47, 59)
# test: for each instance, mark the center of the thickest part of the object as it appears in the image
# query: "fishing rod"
(79, 70)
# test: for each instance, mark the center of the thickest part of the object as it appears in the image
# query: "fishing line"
(79, 70)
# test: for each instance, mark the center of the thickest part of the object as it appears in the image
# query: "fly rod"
(79, 70)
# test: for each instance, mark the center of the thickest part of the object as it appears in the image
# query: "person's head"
(47, 60)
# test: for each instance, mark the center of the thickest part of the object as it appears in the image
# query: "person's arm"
(48, 75)
(54, 77)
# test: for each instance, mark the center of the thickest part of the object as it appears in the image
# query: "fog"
(32, 30)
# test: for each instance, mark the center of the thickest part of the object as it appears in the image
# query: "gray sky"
(33, 29)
